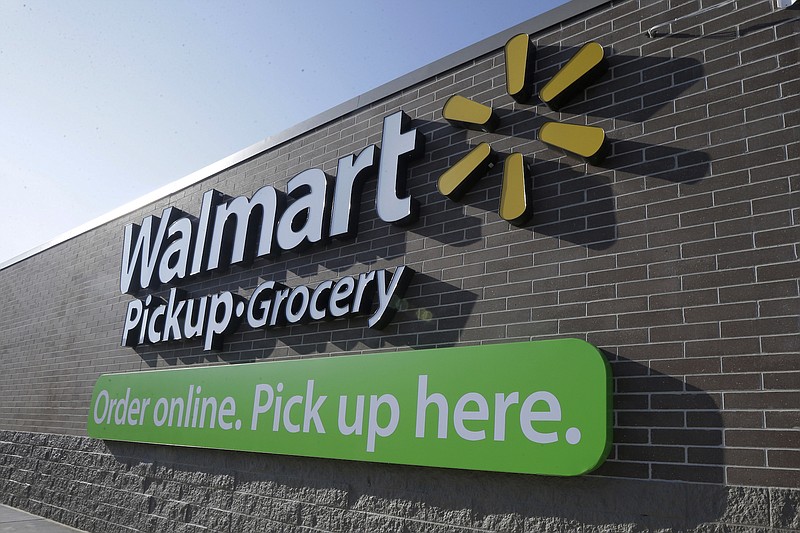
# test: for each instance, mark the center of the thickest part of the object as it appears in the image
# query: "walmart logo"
(585, 142)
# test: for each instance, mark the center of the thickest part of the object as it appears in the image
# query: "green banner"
(535, 407)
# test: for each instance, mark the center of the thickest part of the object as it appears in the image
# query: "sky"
(104, 101)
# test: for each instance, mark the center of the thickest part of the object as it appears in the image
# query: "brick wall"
(677, 256)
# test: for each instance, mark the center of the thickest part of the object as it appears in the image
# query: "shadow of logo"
(571, 196)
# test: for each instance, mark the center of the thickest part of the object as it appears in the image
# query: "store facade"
(547, 283)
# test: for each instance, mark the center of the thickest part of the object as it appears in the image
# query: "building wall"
(677, 256)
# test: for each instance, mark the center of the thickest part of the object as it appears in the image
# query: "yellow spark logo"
(585, 142)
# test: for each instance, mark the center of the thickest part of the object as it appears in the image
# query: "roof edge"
(540, 22)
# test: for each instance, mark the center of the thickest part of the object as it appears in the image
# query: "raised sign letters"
(271, 305)
(176, 246)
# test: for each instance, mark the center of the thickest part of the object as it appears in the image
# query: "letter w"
(141, 250)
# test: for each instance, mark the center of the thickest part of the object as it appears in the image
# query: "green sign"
(534, 407)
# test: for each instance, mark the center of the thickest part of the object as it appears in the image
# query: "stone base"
(109, 486)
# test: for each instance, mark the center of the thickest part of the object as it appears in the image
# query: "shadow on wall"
(263, 489)
(634, 89)
(664, 428)
(432, 313)
(575, 201)
(664, 30)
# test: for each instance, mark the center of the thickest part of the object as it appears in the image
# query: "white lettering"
(358, 422)
(392, 202)
(528, 415)
(423, 401)
(460, 414)
(386, 295)
(303, 222)
(373, 427)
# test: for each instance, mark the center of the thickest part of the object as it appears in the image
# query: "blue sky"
(102, 102)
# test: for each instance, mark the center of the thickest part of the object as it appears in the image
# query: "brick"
(605, 277)
(683, 235)
(727, 456)
(661, 454)
(651, 287)
(727, 382)
(617, 305)
(780, 169)
(532, 273)
(559, 282)
(682, 266)
(660, 419)
(702, 474)
(686, 401)
(723, 311)
(642, 226)
(753, 223)
(761, 326)
(776, 203)
(755, 83)
(782, 381)
(720, 347)
(617, 338)
(761, 400)
(763, 291)
(647, 383)
(781, 343)
(631, 401)
(727, 419)
(777, 272)
(686, 366)
(718, 246)
(683, 437)
(653, 318)
(680, 205)
(760, 363)
(684, 332)
(755, 257)
(691, 128)
(784, 458)
(745, 101)
(777, 237)
(783, 419)
(763, 438)
(749, 160)
(587, 294)
(573, 325)
(630, 436)
(644, 257)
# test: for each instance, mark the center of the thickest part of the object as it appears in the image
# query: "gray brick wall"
(677, 256)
